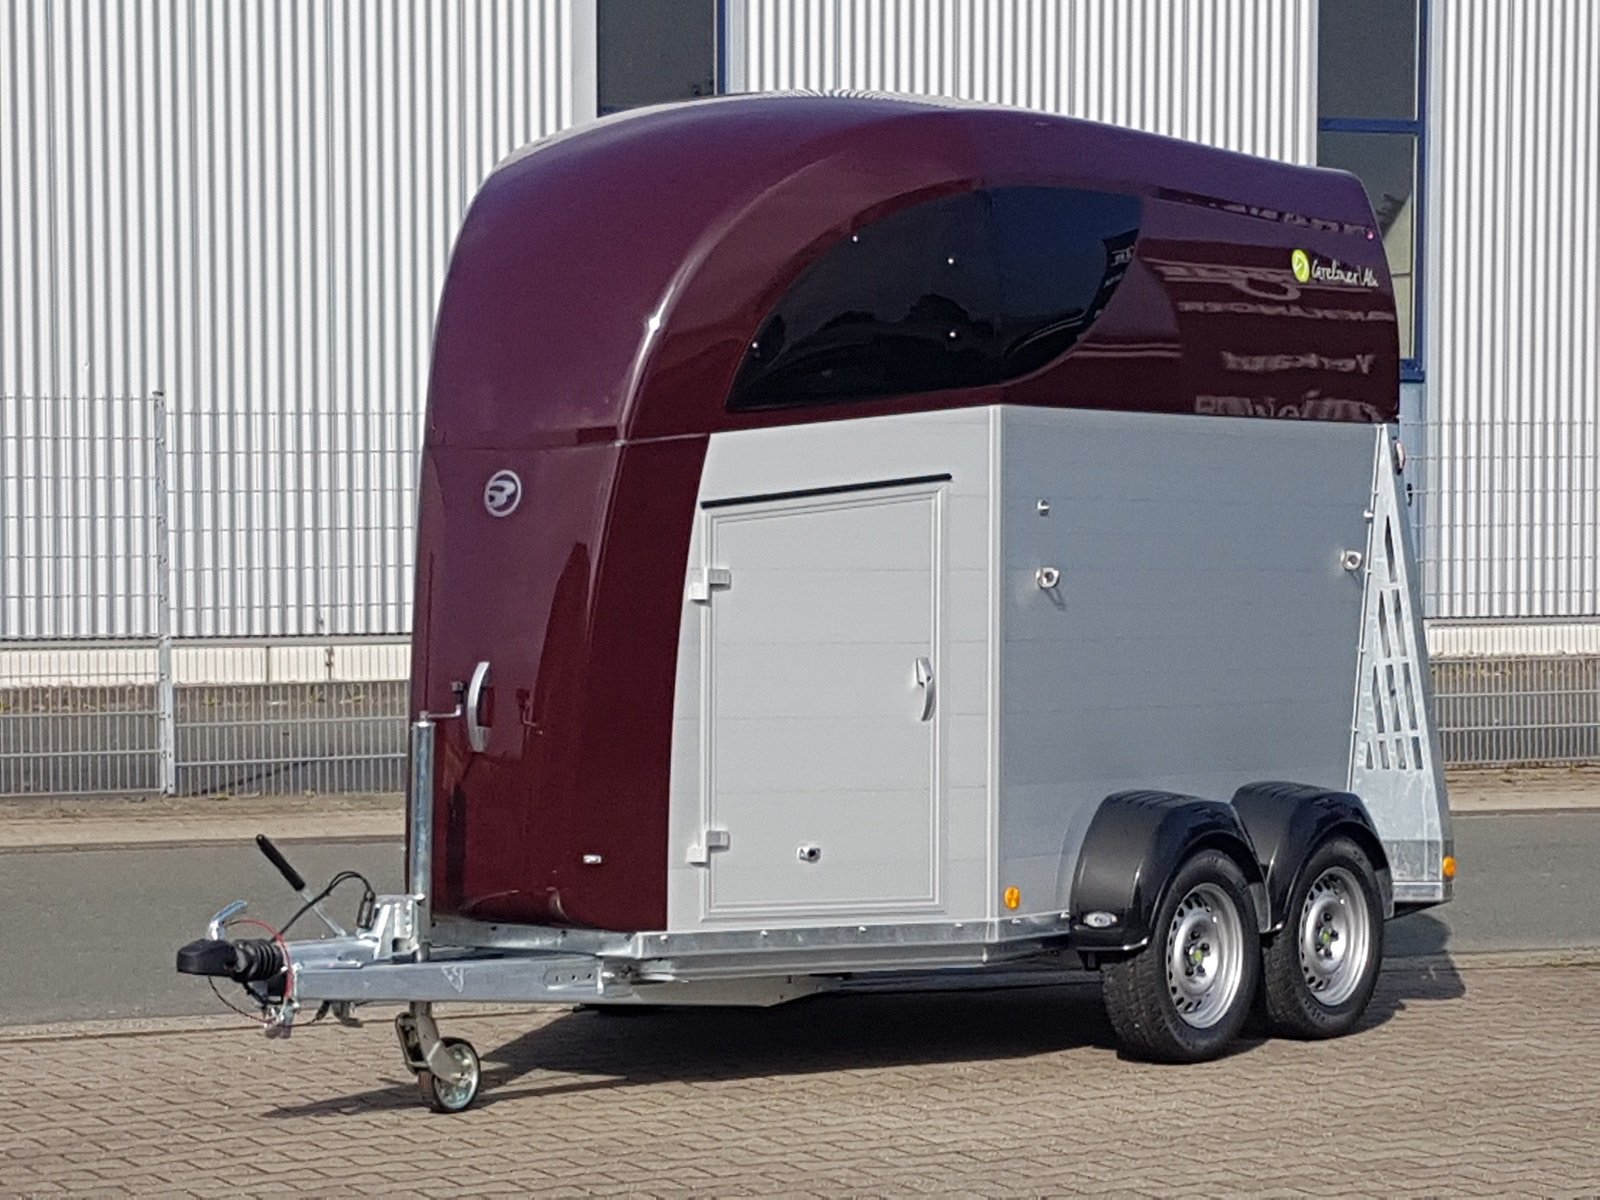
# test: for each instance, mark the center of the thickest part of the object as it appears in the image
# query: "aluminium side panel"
(826, 560)
(1203, 633)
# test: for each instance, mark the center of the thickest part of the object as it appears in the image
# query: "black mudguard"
(1133, 846)
(1287, 821)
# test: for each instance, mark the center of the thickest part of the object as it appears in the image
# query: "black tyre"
(455, 1097)
(1319, 970)
(1185, 996)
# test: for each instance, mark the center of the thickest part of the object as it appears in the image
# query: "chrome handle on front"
(925, 682)
(477, 731)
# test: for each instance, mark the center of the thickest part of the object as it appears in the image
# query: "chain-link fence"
(1501, 710)
(83, 603)
(1506, 515)
(80, 720)
(291, 718)
(98, 695)
(134, 542)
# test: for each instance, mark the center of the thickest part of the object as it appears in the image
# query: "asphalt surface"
(91, 933)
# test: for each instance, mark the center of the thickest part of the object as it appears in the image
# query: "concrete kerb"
(62, 823)
(1491, 791)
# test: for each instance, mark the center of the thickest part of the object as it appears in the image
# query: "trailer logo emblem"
(502, 493)
(1300, 263)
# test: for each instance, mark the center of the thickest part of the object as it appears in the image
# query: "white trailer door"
(821, 717)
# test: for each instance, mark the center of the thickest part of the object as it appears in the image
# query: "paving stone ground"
(1477, 1081)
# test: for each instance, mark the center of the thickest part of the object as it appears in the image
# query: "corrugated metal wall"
(1234, 73)
(80, 510)
(1513, 395)
(248, 205)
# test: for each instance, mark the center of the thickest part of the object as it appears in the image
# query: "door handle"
(925, 682)
(477, 731)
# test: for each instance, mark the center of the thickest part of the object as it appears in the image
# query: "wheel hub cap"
(1205, 956)
(1335, 932)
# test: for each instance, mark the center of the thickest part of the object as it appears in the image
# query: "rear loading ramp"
(1395, 764)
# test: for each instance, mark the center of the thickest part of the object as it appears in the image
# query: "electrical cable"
(288, 973)
(243, 1012)
(367, 898)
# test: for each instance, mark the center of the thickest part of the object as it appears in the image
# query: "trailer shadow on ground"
(592, 1050)
(589, 1050)
(1426, 973)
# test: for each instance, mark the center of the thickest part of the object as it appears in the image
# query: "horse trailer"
(865, 537)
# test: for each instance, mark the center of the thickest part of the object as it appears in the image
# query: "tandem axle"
(1220, 919)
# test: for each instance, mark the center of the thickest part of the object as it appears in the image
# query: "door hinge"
(703, 582)
(711, 839)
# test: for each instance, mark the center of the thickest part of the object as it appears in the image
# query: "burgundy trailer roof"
(608, 280)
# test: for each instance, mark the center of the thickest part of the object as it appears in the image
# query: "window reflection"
(1386, 164)
(961, 291)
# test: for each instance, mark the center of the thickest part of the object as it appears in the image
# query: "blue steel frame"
(1411, 369)
(721, 50)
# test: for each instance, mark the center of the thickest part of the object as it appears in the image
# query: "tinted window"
(958, 292)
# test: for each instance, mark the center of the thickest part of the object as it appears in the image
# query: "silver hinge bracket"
(711, 839)
(703, 582)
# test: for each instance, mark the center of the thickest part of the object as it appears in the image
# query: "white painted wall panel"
(1514, 319)
(250, 205)
(1234, 73)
